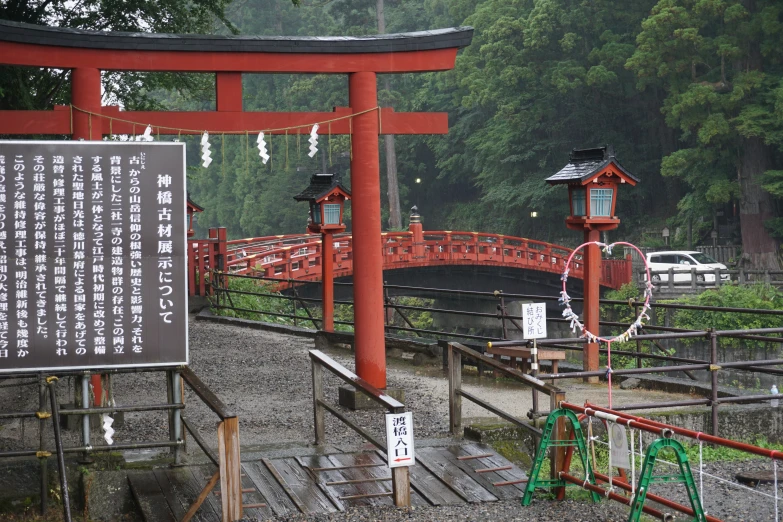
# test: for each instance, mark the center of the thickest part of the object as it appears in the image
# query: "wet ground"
(266, 378)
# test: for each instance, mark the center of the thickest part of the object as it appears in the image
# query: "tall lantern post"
(327, 198)
(593, 177)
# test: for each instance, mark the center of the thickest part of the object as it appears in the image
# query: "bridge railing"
(299, 256)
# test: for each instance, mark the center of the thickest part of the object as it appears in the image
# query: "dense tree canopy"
(689, 92)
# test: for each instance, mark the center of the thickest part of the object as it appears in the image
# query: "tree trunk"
(392, 186)
(760, 250)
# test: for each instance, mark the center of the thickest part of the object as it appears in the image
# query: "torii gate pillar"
(86, 93)
(366, 223)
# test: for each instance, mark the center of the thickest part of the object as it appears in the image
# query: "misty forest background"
(689, 93)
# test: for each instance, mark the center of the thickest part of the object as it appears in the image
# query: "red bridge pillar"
(366, 223)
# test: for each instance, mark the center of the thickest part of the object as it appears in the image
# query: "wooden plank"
(149, 497)
(202, 475)
(205, 491)
(335, 491)
(431, 489)
(524, 353)
(274, 495)
(188, 489)
(309, 496)
(368, 471)
(437, 461)
(254, 497)
(514, 474)
(230, 479)
(487, 479)
(366, 460)
(172, 499)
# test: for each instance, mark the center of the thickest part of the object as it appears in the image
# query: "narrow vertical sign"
(92, 255)
(399, 439)
(534, 320)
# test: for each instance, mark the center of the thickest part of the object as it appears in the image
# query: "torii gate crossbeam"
(88, 53)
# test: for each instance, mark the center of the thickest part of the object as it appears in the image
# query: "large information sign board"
(92, 255)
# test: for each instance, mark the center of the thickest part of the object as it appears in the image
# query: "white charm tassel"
(263, 154)
(206, 156)
(313, 141)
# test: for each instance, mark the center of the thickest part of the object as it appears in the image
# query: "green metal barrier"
(547, 442)
(684, 476)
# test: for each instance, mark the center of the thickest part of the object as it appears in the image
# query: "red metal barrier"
(297, 256)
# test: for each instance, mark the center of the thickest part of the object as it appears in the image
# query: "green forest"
(689, 93)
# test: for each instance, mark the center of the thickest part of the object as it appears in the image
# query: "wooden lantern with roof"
(327, 198)
(593, 177)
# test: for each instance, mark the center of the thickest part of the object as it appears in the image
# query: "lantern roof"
(322, 185)
(192, 206)
(585, 164)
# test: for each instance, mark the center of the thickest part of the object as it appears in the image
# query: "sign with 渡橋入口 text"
(534, 320)
(92, 255)
(399, 439)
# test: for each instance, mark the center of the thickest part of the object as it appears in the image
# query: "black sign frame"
(98, 228)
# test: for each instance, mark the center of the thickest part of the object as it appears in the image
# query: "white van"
(682, 262)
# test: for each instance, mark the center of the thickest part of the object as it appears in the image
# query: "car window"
(669, 259)
(685, 260)
(704, 259)
(655, 259)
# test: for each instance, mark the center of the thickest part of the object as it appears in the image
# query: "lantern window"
(601, 202)
(331, 214)
(578, 201)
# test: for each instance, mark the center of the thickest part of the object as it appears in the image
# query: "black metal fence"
(648, 354)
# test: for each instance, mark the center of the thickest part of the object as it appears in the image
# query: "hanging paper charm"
(262, 148)
(108, 431)
(313, 141)
(147, 136)
(205, 154)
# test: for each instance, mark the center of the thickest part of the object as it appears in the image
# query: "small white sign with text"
(534, 320)
(399, 439)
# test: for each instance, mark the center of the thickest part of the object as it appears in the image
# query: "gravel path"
(265, 378)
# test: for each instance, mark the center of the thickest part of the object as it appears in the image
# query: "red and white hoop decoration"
(576, 324)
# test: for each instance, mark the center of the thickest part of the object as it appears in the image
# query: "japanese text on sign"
(534, 320)
(82, 224)
(399, 439)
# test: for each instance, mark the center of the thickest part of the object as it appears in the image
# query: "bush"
(759, 296)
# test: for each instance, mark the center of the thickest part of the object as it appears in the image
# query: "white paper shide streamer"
(313, 141)
(147, 136)
(262, 148)
(206, 156)
(108, 432)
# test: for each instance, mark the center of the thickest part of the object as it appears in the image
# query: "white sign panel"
(619, 446)
(399, 439)
(534, 320)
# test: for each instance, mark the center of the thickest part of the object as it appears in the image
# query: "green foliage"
(689, 92)
(758, 296)
(253, 301)
(244, 301)
(718, 63)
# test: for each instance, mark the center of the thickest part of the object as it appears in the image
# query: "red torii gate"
(88, 53)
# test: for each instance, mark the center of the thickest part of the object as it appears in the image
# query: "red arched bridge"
(298, 256)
